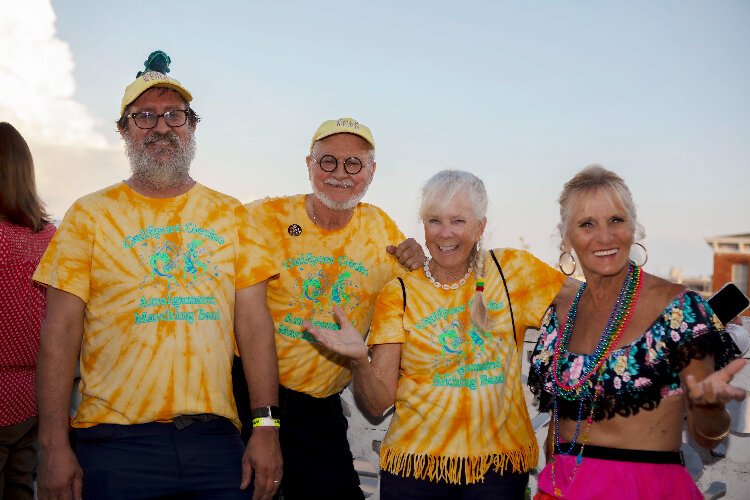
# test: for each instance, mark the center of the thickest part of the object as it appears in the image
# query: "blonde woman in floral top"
(621, 364)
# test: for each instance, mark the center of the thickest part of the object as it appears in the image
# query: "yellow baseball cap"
(157, 65)
(342, 126)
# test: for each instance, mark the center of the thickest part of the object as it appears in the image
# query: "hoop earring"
(645, 254)
(560, 263)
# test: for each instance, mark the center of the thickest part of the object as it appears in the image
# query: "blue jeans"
(496, 486)
(160, 461)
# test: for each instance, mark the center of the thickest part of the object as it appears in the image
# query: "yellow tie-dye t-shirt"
(319, 269)
(460, 407)
(158, 277)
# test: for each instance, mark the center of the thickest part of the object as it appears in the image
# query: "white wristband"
(266, 422)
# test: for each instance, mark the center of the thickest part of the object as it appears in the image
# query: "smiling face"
(339, 190)
(160, 157)
(600, 232)
(451, 235)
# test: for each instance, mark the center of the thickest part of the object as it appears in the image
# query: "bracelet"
(266, 422)
(266, 411)
(713, 438)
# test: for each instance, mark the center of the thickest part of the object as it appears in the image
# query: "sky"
(522, 94)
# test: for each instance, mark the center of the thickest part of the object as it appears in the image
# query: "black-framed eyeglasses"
(329, 163)
(147, 119)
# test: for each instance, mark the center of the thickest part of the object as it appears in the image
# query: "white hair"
(437, 193)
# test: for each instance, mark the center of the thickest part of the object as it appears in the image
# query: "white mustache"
(347, 183)
(169, 136)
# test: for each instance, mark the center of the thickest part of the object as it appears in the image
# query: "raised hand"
(715, 388)
(409, 253)
(347, 341)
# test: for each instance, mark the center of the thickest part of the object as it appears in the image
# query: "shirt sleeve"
(66, 264)
(532, 284)
(388, 318)
(255, 261)
(394, 237)
(692, 330)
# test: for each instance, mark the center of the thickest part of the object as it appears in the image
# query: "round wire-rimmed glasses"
(329, 163)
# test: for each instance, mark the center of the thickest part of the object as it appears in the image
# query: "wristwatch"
(266, 412)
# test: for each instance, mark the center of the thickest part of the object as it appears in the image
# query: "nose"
(605, 234)
(446, 231)
(340, 172)
(161, 125)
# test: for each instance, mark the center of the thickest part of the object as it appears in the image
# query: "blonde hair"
(437, 193)
(588, 180)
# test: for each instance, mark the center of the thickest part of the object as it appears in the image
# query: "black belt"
(183, 421)
(623, 455)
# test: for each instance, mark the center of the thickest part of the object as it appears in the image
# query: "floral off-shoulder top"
(637, 375)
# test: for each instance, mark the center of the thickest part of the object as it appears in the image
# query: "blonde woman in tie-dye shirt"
(446, 350)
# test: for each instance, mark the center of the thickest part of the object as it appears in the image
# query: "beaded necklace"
(584, 439)
(618, 321)
(619, 318)
(453, 286)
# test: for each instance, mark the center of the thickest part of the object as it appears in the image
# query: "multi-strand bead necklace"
(616, 325)
(622, 312)
(584, 438)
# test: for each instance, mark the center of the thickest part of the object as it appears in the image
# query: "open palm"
(716, 388)
(347, 341)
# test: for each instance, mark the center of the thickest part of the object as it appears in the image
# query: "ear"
(566, 245)
(310, 168)
(374, 167)
(123, 131)
(482, 225)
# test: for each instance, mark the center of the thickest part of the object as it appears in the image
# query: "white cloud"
(36, 79)
(37, 88)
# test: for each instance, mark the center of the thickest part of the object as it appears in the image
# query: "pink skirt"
(616, 480)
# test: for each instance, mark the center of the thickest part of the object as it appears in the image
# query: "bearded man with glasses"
(333, 251)
(151, 283)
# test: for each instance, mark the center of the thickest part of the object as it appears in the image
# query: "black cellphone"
(728, 302)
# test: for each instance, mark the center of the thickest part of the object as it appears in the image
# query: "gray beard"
(340, 205)
(156, 174)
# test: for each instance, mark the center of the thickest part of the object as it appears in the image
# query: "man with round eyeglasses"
(332, 250)
(152, 285)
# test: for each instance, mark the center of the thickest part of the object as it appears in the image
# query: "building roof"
(731, 243)
(729, 236)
